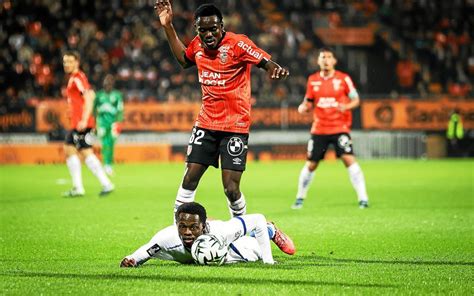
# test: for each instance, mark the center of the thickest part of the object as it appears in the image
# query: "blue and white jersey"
(166, 244)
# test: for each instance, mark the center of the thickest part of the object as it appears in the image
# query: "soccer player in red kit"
(331, 95)
(80, 97)
(223, 60)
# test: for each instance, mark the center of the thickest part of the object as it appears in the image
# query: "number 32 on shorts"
(196, 136)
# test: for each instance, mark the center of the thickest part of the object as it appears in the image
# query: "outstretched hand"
(128, 263)
(279, 73)
(164, 12)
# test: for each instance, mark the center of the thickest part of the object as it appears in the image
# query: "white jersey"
(167, 245)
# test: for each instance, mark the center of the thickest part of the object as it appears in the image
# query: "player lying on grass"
(247, 237)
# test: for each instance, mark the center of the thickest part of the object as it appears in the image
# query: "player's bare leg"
(94, 165)
(74, 166)
(304, 181)
(235, 198)
(357, 179)
(187, 190)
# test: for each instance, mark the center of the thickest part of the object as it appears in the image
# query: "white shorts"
(244, 249)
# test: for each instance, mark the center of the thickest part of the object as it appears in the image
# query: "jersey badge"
(223, 53)
(316, 85)
(153, 250)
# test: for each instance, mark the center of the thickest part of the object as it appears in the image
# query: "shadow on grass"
(320, 259)
(187, 279)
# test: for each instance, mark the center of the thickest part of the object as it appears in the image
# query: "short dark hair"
(73, 53)
(192, 208)
(207, 10)
(326, 49)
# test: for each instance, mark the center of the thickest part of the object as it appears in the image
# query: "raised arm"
(165, 13)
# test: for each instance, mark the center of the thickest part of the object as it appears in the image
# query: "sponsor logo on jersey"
(235, 146)
(153, 250)
(327, 102)
(107, 108)
(211, 78)
(190, 149)
(250, 50)
(199, 55)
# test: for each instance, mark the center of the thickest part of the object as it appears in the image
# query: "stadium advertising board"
(52, 153)
(50, 114)
(346, 36)
(181, 117)
(169, 117)
(18, 121)
(414, 115)
(277, 118)
(160, 116)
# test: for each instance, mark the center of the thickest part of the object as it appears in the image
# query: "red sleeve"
(248, 52)
(309, 89)
(190, 50)
(81, 82)
(349, 84)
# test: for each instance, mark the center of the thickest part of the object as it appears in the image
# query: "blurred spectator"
(406, 73)
(440, 33)
(121, 38)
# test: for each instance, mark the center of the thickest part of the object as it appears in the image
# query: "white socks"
(238, 207)
(74, 165)
(183, 196)
(358, 181)
(304, 181)
(93, 163)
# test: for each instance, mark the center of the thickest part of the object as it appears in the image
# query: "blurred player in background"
(174, 242)
(331, 95)
(79, 139)
(223, 60)
(455, 134)
(108, 110)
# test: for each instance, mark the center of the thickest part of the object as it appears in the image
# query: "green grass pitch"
(416, 238)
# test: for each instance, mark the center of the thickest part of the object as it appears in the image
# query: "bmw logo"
(235, 146)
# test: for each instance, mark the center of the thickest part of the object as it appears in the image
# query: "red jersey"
(327, 93)
(76, 87)
(224, 75)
